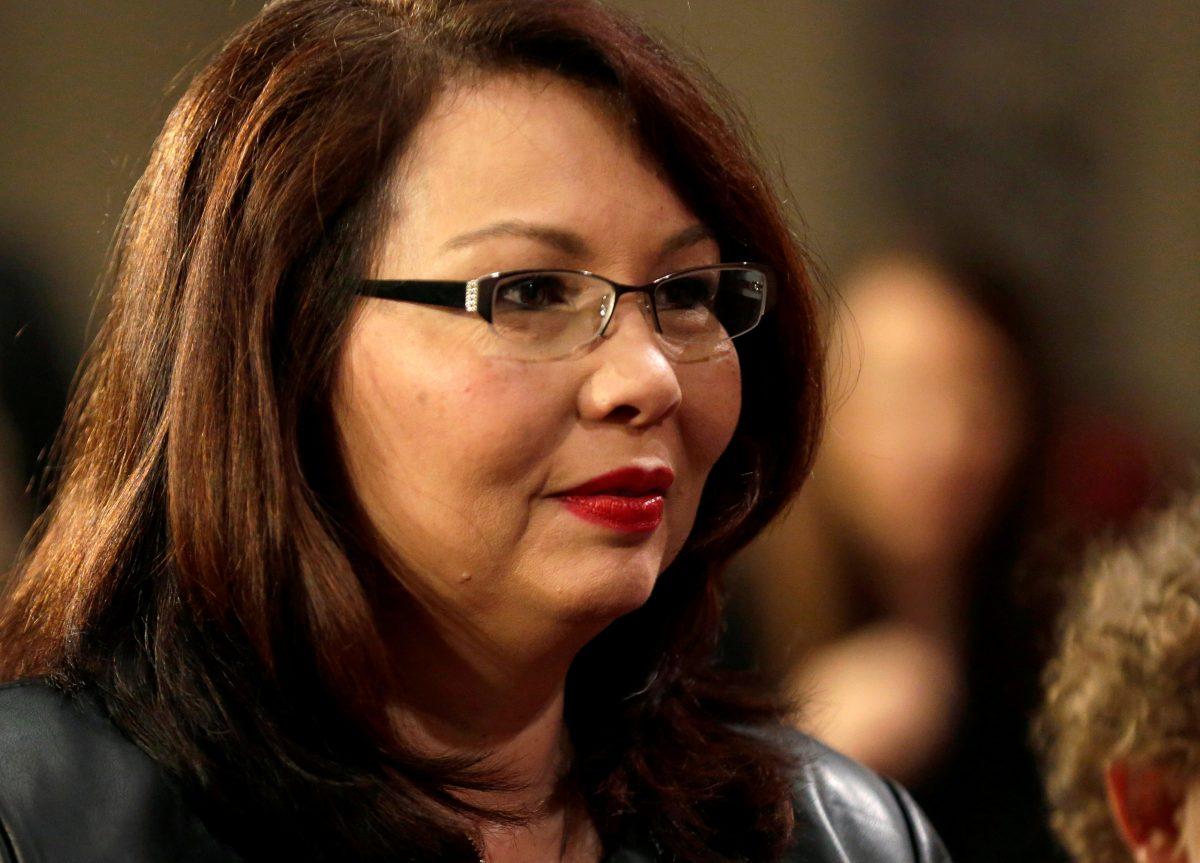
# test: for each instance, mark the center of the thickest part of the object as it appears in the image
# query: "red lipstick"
(629, 500)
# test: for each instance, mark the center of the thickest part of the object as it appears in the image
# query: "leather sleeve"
(74, 790)
(927, 845)
(847, 814)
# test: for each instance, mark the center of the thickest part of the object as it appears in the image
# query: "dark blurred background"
(1060, 140)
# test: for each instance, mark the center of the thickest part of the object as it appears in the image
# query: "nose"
(632, 381)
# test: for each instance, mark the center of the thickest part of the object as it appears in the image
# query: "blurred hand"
(888, 695)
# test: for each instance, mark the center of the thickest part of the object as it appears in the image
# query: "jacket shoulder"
(72, 787)
(846, 813)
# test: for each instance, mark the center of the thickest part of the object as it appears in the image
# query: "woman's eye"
(684, 293)
(535, 293)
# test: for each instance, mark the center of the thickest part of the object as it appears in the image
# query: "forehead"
(536, 148)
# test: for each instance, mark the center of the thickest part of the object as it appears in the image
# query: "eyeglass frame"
(477, 295)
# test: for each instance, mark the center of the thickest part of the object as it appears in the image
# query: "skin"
(1189, 820)
(1156, 811)
(456, 448)
(934, 419)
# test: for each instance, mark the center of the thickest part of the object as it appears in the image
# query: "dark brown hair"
(201, 566)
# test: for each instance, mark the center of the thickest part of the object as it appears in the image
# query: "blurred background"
(1003, 201)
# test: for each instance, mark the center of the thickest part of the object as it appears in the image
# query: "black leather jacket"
(74, 790)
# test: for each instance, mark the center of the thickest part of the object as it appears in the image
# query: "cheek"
(708, 415)
(711, 405)
(440, 441)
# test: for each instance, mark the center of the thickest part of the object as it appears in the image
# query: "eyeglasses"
(549, 314)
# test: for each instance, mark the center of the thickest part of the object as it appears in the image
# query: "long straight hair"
(203, 565)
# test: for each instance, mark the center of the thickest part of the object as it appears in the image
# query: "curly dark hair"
(203, 566)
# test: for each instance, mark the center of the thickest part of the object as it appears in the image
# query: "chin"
(601, 595)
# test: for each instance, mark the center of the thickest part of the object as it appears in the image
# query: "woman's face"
(461, 453)
(920, 451)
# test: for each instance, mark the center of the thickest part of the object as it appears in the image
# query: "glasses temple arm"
(452, 295)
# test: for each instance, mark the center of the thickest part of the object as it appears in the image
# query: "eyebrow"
(566, 241)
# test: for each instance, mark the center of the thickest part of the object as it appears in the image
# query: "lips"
(628, 481)
(629, 500)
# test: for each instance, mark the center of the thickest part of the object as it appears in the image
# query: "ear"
(1146, 803)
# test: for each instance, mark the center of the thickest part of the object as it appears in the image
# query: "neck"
(496, 695)
(461, 694)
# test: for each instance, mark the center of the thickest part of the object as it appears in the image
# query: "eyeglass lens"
(553, 313)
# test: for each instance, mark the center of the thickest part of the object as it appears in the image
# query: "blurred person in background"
(1121, 724)
(882, 597)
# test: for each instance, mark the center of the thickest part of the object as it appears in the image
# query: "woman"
(375, 557)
